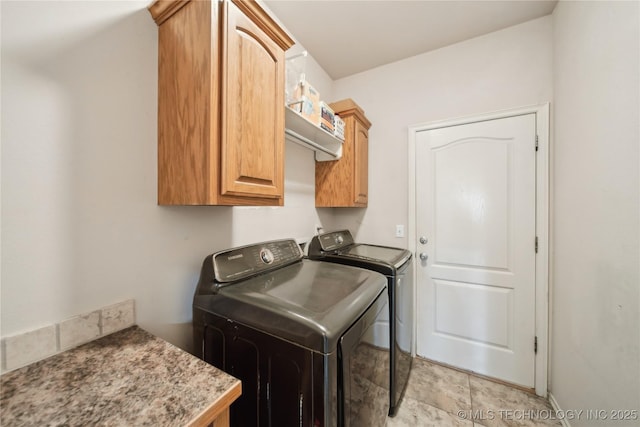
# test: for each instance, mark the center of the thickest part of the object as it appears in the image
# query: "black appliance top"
(338, 246)
(306, 302)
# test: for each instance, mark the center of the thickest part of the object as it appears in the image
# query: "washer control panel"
(246, 261)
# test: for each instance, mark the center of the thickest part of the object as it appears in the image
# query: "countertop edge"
(129, 377)
(208, 415)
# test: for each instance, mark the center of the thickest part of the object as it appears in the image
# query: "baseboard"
(557, 409)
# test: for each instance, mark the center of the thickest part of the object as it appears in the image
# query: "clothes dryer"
(397, 265)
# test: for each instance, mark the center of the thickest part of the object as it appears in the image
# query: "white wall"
(80, 225)
(595, 352)
(505, 69)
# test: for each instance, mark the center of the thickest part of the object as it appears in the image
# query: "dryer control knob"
(266, 256)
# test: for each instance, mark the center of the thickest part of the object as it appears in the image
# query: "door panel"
(460, 305)
(472, 224)
(243, 362)
(253, 93)
(286, 391)
(476, 204)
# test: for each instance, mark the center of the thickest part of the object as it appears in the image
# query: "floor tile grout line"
(471, 410)
(479, 376)
(470, 394)
(526, 399)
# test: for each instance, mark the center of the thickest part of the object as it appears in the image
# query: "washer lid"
(310, 303)
(395, 257)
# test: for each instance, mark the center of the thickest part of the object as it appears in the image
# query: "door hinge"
(536, 142)
(535, 345)
(536, 244)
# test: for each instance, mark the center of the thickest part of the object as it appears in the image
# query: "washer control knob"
(266, 256)
(339, 239)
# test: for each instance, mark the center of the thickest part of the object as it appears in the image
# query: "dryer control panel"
(246, 261)
(333, 241)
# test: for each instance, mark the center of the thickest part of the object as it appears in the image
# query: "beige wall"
(505, 69)
(595, 348)
(80, 224)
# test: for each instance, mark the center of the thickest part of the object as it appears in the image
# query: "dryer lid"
(395, 257)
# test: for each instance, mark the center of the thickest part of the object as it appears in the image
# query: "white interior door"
(476, 207)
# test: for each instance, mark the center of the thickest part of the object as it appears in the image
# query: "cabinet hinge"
(536, 142)
(536, 244)
(535, 345)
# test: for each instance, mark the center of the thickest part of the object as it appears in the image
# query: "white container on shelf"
(295, 68)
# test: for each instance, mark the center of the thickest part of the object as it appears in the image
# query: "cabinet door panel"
(362, 170)
(252, 122)
(186, 87)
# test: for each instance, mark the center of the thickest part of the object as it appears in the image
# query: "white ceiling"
(346, 37)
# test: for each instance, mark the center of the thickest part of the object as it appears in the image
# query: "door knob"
(423, 256)
(423, 240)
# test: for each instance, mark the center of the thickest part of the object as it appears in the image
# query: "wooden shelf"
(301, 131)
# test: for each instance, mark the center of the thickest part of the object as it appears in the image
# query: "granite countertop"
(124, 379)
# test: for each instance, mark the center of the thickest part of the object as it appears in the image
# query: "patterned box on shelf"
(338, 127)
(326, 117)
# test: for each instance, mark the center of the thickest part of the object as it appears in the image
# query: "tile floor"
(439, 396)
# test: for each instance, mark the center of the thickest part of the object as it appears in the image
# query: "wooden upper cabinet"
(345, 182)
(220, 103)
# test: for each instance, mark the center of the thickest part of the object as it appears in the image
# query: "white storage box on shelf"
(295, 67)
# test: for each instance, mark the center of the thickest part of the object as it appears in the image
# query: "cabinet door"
(252, 149)
(345, 182)
(361, 189)
(187, 102)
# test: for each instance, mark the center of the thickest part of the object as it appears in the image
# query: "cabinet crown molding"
(348, 107)
(161, 10)
(257, 14)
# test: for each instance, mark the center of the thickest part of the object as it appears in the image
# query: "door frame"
(542, 222)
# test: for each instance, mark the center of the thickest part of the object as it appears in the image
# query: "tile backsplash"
(28, 347)
(118, 316)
